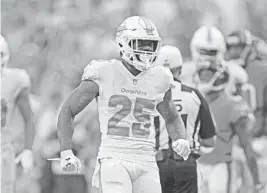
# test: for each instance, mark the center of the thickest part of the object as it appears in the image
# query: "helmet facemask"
(141, 53)
(207, 54)
(210, 77)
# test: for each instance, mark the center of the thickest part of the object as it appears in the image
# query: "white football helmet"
(170, 57)
(207, 43)
(130, 36)
(5, 55)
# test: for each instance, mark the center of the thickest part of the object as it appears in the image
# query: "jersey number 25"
(140, 128)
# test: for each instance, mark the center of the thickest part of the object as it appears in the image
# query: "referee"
(177, 175)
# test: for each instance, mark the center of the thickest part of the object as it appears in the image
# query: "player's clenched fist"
(69, 162)
(182, 148)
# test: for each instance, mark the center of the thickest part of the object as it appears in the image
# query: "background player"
(14, 93)
(232, 117)
(176, 174)
(245, 49)
(129, 93)
(207, 43)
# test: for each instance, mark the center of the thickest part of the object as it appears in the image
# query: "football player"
(130, 92)
(232, 117)
(250, 53)
(177, 175)
(202, 49)
(14, 93)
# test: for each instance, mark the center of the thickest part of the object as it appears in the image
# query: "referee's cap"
(170, 57)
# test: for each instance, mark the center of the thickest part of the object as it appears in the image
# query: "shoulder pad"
(162, 79)
(168, 78)
(93, 69)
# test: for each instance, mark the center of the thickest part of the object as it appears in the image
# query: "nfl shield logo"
(135, 82)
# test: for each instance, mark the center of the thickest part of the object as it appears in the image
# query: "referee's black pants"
(177, 175)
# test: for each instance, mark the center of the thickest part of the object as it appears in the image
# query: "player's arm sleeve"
(207, 126)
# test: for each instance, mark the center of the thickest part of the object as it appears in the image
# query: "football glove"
(182, 148)
(69, 162)
(26, 160)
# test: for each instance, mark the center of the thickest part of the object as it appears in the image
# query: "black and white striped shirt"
(195, 113)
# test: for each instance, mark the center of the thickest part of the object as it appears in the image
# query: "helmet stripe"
(148, 25)
(209, 35)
